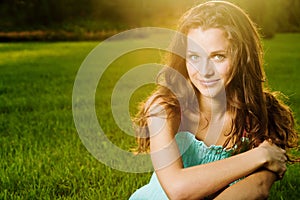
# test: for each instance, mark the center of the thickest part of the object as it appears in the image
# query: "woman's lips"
(208, 83)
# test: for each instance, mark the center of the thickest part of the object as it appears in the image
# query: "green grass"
(41, 154)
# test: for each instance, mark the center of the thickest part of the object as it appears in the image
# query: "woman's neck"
(213, 111)
(213, 108)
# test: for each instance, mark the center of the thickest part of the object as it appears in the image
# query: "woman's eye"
(218, 58)
(193, 57)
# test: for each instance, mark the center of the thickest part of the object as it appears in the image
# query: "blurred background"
(99, 19)
(42, 156)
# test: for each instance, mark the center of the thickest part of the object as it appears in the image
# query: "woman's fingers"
(281, 175)
(276, 158)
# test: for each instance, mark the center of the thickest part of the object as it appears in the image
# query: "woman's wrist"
(261, 155)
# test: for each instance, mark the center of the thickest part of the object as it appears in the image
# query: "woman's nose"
(205, 68)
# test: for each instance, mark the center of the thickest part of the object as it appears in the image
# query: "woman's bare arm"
(254, 186)
(202, 180)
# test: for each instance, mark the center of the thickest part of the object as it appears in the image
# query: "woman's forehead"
(208, 40)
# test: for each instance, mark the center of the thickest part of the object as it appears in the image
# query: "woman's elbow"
(265, 195)
(262, 195)
(264, 191)
(177, 190)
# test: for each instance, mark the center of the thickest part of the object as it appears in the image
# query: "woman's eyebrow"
(191, 51)
(219, 51)
(211, 53)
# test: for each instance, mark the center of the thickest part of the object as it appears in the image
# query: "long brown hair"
(253, 108)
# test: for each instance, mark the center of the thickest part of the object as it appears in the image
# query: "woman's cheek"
(191, 69)
(223, 69)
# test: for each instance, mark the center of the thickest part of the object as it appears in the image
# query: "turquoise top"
(193, 152)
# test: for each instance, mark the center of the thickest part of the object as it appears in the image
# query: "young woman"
(227, 138)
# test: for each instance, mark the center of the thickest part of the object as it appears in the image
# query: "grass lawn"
(42, 156)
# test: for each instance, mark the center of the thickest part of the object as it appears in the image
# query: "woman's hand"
(275, 158)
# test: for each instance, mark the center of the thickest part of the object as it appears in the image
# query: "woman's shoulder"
(157, 103)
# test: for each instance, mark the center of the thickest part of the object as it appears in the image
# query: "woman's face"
(207, 60)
